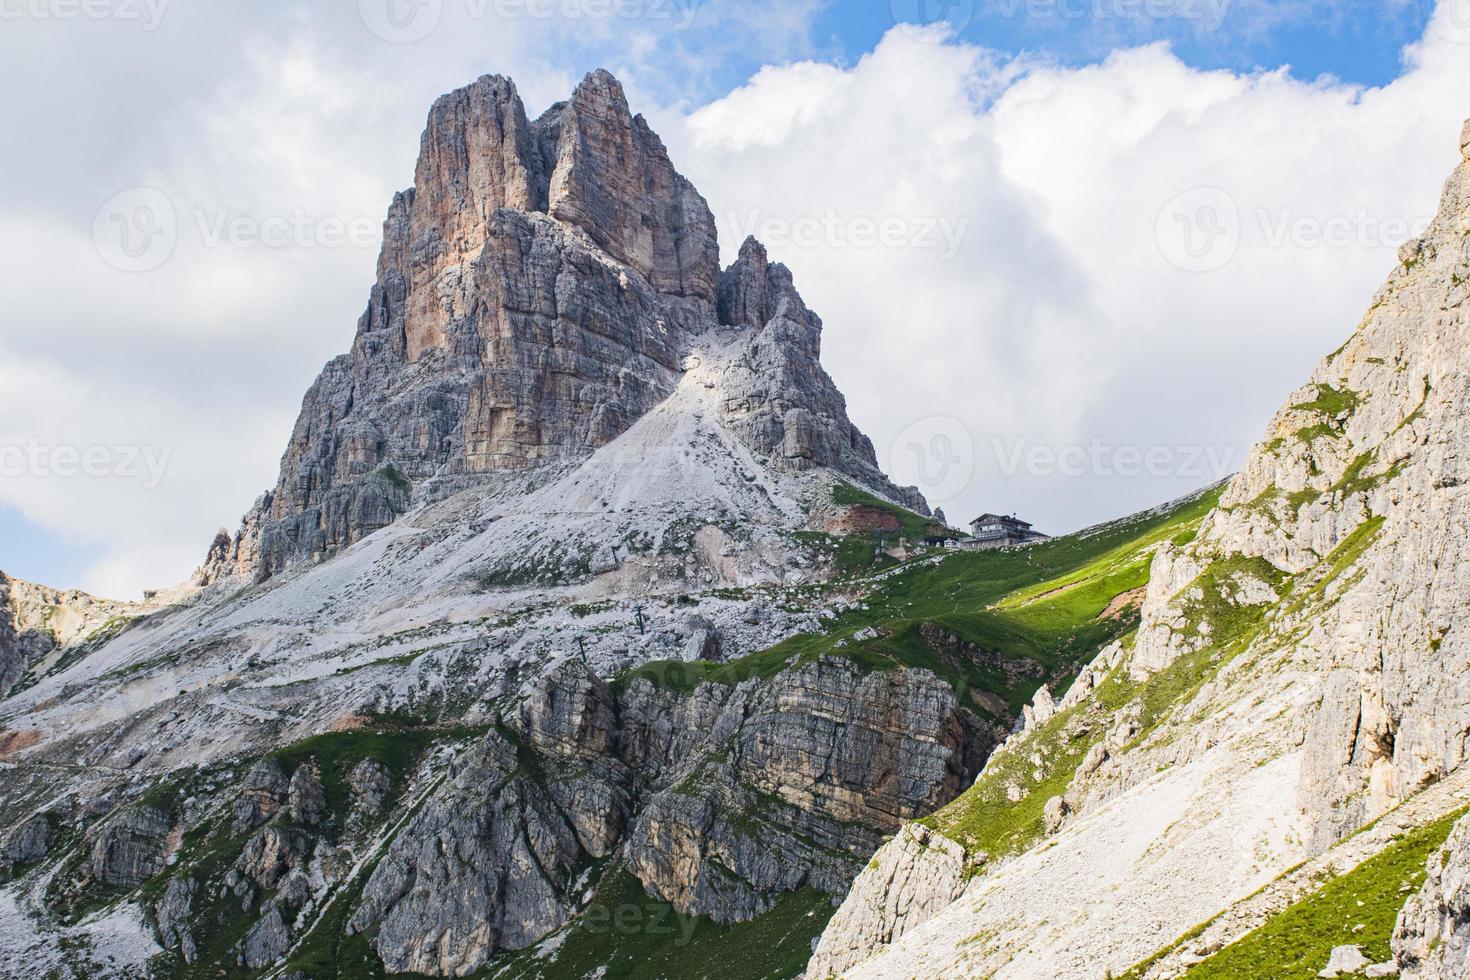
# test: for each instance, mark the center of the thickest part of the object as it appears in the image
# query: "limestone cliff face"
(36, 622)
(720, 799)
(1297, 674)
(536, 291)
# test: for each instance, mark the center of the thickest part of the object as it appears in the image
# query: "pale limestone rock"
(306, 801)
(1344, 960)
(129, 848)
(913, 877)
(1431, 939)
(1053, 813)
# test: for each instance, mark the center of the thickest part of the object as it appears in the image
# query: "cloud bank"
(1068, 292)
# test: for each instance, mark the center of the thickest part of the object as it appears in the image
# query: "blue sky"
(290, 107)
(38, 555)
(1357, 41)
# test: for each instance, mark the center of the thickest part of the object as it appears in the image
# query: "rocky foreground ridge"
(1298, 674)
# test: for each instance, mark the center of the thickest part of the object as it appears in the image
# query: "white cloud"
(1060, 325)
(1055, 320)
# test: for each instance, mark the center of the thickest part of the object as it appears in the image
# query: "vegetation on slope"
(1356, 909)
(995, 623)
(626, 935)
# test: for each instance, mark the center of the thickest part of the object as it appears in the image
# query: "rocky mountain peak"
(611, 176)
(754, 291)
(538, 290)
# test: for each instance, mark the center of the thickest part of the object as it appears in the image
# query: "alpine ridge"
(1290, 711)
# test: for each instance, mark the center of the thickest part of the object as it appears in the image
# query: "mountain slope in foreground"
(1257, 776)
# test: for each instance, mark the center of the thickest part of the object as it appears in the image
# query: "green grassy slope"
(1355, 909)
(1037, 610)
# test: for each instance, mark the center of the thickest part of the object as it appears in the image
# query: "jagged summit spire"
(537, 290)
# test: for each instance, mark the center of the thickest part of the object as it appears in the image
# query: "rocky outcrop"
(371, 784)
(261, 796)
(779, 398)
(172, 914)
(129, 848)
(36, 621)
(611, 177)
(1431, 940)
(487, 864)
(912, 878)
(267, 939)
(27, 843)
(306, 801)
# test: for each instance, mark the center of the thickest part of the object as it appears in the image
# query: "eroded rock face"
(306, 802)
(371, 784)
(486, 865)
(172, 914)
(1431, 940)
(261, 796)
(27, 843)
(915, 875)
(129, 848)
(780, 399)
(721, 799)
